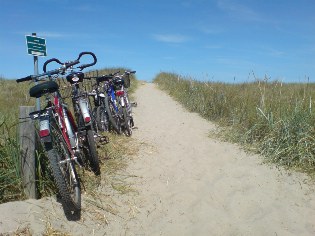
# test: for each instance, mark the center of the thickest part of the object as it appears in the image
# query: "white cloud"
(171, 38)
(169, 58)
(44, 34)
(238, 10)
(206, 29)
(51, 34)
(272, 52)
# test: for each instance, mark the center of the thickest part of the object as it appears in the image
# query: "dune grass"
(11, 97)
(272, 118)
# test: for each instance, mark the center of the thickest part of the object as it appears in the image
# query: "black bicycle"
(121, 84)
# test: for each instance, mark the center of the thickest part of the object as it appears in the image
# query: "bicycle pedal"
(104, 140)
(134, 104)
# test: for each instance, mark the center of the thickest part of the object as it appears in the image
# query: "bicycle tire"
(112, 115)
(127, 124)
(92, 152)
(101, 118)
(94, 120)
(64, 174)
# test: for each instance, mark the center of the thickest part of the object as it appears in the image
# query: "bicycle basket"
(118, 82)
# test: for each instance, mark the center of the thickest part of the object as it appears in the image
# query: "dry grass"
(114, 179)
(26, 231)
(269, 117)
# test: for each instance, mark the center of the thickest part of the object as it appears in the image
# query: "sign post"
(37, 47)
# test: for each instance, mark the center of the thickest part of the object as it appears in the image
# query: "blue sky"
(216, 40)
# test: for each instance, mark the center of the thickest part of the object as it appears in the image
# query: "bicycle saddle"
(43, 88)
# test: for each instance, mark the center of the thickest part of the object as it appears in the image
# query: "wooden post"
(27, 145)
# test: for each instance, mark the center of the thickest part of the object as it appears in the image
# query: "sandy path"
(194, 185)
(188, 184)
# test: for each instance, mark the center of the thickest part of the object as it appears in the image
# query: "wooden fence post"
(27, 145)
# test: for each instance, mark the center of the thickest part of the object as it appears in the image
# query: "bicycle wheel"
(101, 118)
(91, 152)
(63, 169)
(112, 115)
(127, 122)
(94, 120)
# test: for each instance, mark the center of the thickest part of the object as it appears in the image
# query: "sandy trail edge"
(188, 184)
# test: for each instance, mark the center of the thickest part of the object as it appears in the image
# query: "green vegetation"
(269, 117)
(12, 96)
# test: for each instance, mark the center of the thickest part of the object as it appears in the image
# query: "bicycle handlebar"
(90, 64)
(130, 72)
(49, 61)
(110, 76)
(27, 78)
(32, 77)
(72, 63)
(63, 67)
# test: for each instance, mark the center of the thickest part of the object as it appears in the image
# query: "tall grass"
(11, 97)
(270, 117)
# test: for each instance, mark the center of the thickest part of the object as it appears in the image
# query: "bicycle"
(101, 119)
(121, 83)
(106, 106)
(82, 113)
(53, 134)
(55, 125)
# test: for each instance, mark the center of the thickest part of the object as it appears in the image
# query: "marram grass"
(272, 118)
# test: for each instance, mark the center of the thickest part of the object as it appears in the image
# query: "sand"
(187, 184)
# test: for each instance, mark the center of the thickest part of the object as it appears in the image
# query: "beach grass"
(271, 118)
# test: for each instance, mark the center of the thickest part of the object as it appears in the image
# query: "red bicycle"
(57, 132)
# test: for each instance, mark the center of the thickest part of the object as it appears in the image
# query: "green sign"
(36, 46)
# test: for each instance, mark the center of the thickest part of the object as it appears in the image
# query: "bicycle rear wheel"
(127, 122)
(102, 118)
(112, 115)
(91, 152)
(63, 169)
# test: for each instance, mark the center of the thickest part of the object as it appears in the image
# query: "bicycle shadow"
(70, 213)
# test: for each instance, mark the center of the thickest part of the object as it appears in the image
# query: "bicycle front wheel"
(63, 170)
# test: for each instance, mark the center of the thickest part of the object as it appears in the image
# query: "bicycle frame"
(58, 130)
(64, 118)
(109, 88)
(81, 105)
